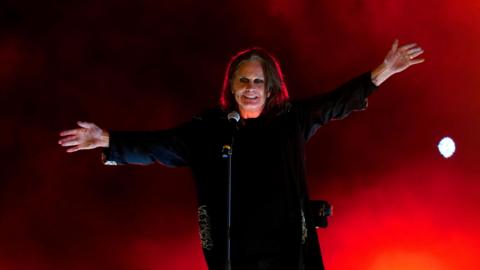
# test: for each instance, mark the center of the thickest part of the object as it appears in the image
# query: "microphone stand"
(227, 153)
(233, 117)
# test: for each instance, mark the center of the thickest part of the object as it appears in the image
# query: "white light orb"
(446, 146)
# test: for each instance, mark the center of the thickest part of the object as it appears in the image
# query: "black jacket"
(271, 219)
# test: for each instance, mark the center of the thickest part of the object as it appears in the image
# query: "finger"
(415, 54)
(414, 50)
(73, 149)
(417, 61)
(69, 138)
(408, 46)
(70, 132)
(85, 124)
(72, 142)
(395, 45)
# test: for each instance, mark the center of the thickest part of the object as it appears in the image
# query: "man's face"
(248, 87)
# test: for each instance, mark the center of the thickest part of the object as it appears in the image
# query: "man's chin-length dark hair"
(274, 81)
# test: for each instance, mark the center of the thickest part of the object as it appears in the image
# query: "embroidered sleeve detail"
(304, 229)
(205, 230)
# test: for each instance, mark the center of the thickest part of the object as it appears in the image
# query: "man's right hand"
(88, 136)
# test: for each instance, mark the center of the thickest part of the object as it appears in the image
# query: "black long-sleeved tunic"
(271, 221)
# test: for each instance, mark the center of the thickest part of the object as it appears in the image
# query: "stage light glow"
(402, 259)
(446, 146)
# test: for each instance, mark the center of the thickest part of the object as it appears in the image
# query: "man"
(271, 225)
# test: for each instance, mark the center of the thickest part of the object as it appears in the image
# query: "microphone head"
(233, 116)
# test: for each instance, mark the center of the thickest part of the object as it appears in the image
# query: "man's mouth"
(250, 97)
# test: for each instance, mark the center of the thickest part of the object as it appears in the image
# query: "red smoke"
(149, 65)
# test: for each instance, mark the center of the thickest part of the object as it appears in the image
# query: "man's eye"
(258, 81)
(244, 80)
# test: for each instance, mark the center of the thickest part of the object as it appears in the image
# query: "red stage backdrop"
(135, 65)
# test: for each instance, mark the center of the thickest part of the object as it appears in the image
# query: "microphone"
(233, 117)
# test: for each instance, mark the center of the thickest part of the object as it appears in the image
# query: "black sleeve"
(337, 104)
(169, 147)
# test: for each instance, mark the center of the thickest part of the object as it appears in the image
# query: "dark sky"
(136, 65)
